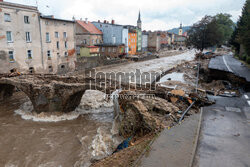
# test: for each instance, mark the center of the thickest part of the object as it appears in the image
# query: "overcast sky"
(155, 14)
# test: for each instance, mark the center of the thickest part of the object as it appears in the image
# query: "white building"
(125, 38)
(58, 44)
(144, 42)
(35, 44)
(20, 39)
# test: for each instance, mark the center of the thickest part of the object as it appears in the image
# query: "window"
(97, 41)
(7, 17)
(84, 41)
(29, 54)
(56, 35)
(57, 45)
(93, 41)
(114, 49)
(50, 69)
(26, 20)
(49, 55)
(65, 54)
(9, 36)
(64, 35)
(11, 56)
(114, 39)
(31, 70)
(28, 37)
(46, 22)
(47, 37)
(103, 49)
(109, 49)
(66, 44)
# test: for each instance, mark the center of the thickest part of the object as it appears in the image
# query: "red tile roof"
(91, 28)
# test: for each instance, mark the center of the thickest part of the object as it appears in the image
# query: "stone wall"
(84, 63)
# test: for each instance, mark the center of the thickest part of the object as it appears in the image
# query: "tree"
(204, 34)
(244, 27)
(226, 26)
(241, 35)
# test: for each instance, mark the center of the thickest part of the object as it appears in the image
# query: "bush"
(243, 57)
(248, 60)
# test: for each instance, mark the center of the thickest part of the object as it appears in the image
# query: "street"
(229, 64)
(224, 137)
(224, 134)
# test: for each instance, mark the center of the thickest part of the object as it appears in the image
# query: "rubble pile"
(207, 55)
(141, 116)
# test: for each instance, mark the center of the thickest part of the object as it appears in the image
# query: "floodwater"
(173, 77)
(45, 140)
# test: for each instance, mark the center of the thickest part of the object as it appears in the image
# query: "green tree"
(205, 33)
(241, 35)
(226, 26)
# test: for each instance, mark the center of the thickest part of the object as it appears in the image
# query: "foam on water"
(93, 103)
(104, 143)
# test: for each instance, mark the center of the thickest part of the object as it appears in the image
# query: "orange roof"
(91, 28)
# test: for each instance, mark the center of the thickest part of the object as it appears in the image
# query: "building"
(89, 51)
(113, 34)
(20, 38)
(132, 42)
(164, 39)
(179, 40)
(154, 41)
(125, 38)
(144, 41)
(58, 44)
(112, 50)
(180, 30)
(87, 34)
(139, 33)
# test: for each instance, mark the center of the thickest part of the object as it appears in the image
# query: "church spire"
(139, 17)
(139, 20)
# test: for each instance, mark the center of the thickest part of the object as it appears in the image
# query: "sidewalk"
(174, 147)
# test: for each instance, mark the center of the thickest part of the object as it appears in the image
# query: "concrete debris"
(142, 116)
(207, 55)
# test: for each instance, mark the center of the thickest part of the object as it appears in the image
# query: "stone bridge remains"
(50, 93)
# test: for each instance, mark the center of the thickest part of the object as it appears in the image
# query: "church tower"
(180, 30)
(139, 21)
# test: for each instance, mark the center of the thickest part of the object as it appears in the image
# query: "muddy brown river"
(61, 140)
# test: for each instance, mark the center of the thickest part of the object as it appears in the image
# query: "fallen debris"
(142, 116)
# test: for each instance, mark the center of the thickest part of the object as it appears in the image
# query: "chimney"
(86, 20)
(81, 19)
(113, 22)
(105, 21)
(98, 21)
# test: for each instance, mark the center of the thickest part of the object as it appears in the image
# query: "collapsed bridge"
(50, 93)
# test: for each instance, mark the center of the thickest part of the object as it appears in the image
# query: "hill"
(176, 30)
